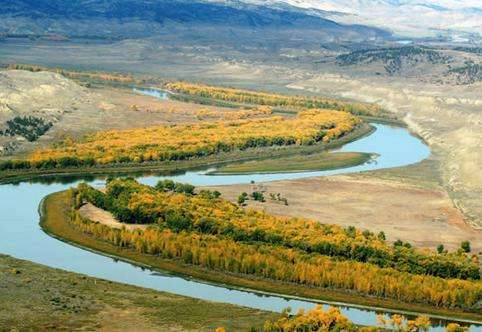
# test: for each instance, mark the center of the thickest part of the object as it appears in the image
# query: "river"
(22, 237)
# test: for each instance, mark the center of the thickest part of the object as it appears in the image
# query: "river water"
(22, 237)
(156, 93)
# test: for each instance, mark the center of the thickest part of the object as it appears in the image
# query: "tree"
(165, 185)
(381, 236)
(465, 246)
(242, 198)
(258, 196)
(454, 327)
(440, 248)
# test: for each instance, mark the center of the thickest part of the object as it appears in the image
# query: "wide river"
(21, 236)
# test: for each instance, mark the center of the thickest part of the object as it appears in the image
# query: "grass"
(312, 162)
(38, 298)
(55, 221)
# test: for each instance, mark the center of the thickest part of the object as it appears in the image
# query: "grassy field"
(311, 162)
(55, 222)
(36, 297)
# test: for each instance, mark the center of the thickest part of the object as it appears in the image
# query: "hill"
(145, 18)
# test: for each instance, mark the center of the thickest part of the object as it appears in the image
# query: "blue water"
(156, 93)
(21, 236)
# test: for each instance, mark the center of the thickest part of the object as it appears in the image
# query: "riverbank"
(55, 221)
(312, 162)
(217, 160)
(69, 301)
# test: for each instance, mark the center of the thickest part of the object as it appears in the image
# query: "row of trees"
(180, 142)
(289, 265)
(273, 100)
(174, 207)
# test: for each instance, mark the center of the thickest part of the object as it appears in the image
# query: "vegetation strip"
(311, 162)
(174, 206)
(184, 142)
(57, 222)
(192, 236)
(220, 159)
(275, 100)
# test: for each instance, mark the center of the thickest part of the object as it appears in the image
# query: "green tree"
(242, 198)
(465, 246)
(257, 196)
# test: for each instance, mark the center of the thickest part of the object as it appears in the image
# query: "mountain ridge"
(55, 17)
(413, 18)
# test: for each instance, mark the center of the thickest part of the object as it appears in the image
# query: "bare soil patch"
(423, 216)
(104, 217)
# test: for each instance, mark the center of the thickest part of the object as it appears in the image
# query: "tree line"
(283, 264)
(182, 142)
(272, 99)
(177, 207)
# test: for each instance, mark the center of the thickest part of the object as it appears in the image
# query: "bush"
(242, 198)
(169, 185)
(133, 202)
(258, 196)
(465, 246)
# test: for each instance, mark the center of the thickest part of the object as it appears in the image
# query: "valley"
(204, 165)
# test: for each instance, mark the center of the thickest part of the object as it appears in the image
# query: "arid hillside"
(39, 108)
(448, 118)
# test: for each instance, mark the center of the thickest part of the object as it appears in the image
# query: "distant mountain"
(145, 18)
(414, 18)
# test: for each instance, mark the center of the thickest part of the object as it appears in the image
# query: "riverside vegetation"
(205, 230)
(182, 142)
(332, 319)
(210, 93)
